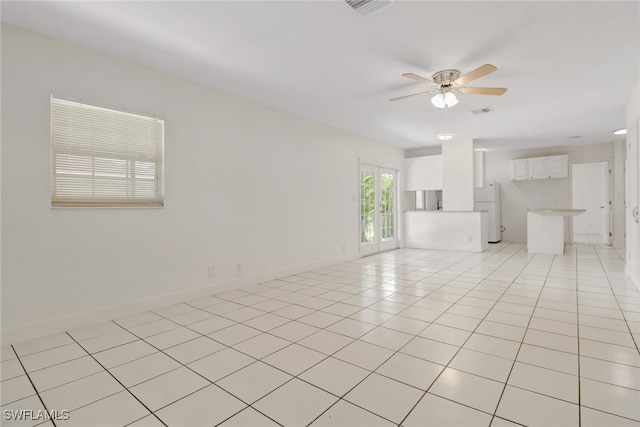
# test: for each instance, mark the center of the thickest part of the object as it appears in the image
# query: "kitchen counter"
(545, 230)
(446, 230)
(446, 212)
(558, 212)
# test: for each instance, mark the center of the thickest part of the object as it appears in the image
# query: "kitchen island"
(545, 230)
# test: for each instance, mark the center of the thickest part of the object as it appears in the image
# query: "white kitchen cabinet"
(423, 173)
(518, 170)
(537, 167)
(558, 166)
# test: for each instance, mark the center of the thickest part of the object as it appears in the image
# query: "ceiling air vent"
(367, 7)
(484, 110)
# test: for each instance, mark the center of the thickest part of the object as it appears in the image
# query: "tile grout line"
(249, 405)
(615, 296)
(33, 386)
(576, 251)
(472, 332)
(119, 382)
(376, 291)
(341, 398)
(211, 383)
(580, 406)
(515, 357)
(579, 356)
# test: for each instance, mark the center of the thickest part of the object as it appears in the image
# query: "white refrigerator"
(488, 199)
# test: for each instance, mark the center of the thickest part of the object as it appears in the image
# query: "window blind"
(102, 157)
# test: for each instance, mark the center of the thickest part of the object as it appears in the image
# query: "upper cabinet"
(423, 173)
(558, 166)
(518, 170)
(539, 168)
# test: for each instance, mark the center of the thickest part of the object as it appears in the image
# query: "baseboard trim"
(47, 327)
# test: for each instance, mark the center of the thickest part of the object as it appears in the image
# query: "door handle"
(635, 213)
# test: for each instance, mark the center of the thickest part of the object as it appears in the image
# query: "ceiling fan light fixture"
(450, 99)
(444, 99)
(438, 100)
(445, 136)
(620, 132)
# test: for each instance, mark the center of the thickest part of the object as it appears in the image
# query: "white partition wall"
(478, 169)
(447, 231)
(457, 175)
(457, 226)
(423, 173)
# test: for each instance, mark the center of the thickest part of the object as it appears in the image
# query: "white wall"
(632, 186)
(519, 196)
(447, 231)
(457, 175)
(587, 193)
(245, 183)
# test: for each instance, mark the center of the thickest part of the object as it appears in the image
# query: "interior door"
(378, 209)
(605, 206)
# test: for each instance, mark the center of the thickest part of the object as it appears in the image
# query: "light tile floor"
(409, 337)
(588, 238)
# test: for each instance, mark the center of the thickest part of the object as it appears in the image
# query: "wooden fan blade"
(409, 96)
(420, 79)
(482, 90)
(482, 70)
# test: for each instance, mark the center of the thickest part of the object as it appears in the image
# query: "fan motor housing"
(446, 77)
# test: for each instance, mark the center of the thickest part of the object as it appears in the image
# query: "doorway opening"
(591, 190)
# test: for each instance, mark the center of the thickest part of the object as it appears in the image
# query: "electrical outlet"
(344, 249)
(239, 267)
(211, 272)
(471, 238)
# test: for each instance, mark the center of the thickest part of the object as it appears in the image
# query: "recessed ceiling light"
(445, 136)
(620, 132)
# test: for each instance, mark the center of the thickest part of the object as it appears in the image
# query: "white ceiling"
(569, 66)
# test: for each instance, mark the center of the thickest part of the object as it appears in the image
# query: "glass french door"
(378, 208)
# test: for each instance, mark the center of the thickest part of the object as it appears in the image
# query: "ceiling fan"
(446, 82)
